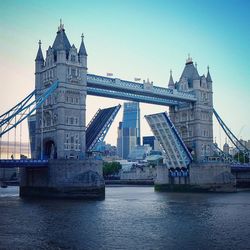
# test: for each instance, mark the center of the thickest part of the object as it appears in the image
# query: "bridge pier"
(74, 179)
(203, 177)
(242, 175)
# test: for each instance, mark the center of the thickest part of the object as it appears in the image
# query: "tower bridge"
(61, 138)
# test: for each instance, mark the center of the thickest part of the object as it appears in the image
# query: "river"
(129, 218)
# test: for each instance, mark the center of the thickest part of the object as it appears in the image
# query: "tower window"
(73, 58)
(73, 72)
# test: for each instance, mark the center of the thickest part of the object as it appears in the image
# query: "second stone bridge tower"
(194, 121)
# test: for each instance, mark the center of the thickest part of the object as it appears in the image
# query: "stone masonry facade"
(60, 131)
(194, 121)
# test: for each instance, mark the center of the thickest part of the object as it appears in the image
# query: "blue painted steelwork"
(179, 138)
(23, 163)
(240, 167)
(99, 126)
(6, 116)
(126, 90)
(237, 143)
(178, 173)
(129, 96)
(23, 109)
(177, 154)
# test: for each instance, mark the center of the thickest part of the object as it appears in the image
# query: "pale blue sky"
(135, 39)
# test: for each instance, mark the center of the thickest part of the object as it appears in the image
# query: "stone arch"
(50, 149)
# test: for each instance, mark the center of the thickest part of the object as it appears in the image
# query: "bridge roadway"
(132, 91)
(23, 163)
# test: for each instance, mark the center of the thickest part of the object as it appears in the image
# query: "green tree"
(243, 158)
(111, 168)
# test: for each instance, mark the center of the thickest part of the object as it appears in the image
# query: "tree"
(111, 168)
(243, 158)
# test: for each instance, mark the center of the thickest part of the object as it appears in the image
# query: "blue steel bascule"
(62, 84)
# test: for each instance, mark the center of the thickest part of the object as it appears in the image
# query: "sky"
(135, 38)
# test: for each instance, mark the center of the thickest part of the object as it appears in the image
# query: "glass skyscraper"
(129, 129)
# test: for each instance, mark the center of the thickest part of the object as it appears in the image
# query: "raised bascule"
(61, 144)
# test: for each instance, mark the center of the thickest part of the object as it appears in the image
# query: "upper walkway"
(132, 91)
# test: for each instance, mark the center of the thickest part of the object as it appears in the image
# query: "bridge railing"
(23, 163)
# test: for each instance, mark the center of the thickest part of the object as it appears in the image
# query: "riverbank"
(130, 182)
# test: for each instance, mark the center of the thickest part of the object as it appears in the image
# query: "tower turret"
(39, 58)
(39, 65)
(209, 79)
(82, 53)
(171, 81)
(61, 45)
(190, 73)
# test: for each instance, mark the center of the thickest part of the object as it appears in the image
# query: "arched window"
(183, 131)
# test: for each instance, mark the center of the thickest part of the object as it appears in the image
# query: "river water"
(129, 218)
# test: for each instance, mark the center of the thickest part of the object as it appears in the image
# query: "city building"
(129, 129)
(152, 141)
(148, 140)
(139, 152)
(106, 149)
(138, 172)
(245, 143)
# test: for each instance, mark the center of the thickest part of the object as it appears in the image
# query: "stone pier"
(74, 179)
(203, 177)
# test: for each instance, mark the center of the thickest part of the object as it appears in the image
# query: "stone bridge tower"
(60, 128)
(195, 121)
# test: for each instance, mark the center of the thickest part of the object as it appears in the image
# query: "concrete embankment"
(129, 182)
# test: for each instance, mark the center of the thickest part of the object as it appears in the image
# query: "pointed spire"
(61, 41)
(190, 71)
(82, 50)
(171, 81)
(61, 26)
(39, 56)
(209, 79)
(189, 59)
